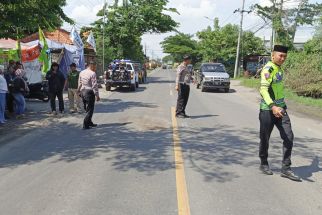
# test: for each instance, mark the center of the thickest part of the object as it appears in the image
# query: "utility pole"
(104, 36)
(242, 11)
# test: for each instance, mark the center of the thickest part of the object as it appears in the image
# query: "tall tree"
(126, 23)
(20, 18)
(179, 45)
(285, 19)
(220, 43)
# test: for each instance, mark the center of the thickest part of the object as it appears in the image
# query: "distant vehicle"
(212, 76)
(141, 72)
(164, 66)
(123, 74)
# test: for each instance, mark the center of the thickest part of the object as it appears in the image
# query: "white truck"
(122, 74)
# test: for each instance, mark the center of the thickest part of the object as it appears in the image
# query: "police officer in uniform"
(183, 87)
(273, 113)
(88, 88)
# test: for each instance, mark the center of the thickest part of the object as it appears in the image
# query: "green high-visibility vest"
(272, 86)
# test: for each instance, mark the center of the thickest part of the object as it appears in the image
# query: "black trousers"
(88, 99)
(59, 95)
(267, 122)
(9, 102)
(183, 96)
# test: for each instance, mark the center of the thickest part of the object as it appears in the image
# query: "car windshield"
(213, 68)
(129, 67)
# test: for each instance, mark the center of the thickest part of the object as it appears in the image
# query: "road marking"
(171, 93)
(182, 193)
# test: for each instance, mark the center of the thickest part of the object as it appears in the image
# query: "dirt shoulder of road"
(293, 107)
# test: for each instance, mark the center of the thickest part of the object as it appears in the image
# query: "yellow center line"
(182, 193)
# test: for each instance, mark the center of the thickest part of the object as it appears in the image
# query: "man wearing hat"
(273, 112)
(88, 88)
(183, 87)
(72, 84)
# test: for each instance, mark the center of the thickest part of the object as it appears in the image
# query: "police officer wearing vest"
(273, 113)
(183, 87)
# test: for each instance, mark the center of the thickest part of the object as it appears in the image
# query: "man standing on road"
(56, 82)
(87, 87)
(183, 87)
(273, 112)
(72, 82)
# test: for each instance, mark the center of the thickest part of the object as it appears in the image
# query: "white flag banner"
(77, 40)
(91, 40)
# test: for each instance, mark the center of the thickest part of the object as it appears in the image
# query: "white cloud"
(192, 17)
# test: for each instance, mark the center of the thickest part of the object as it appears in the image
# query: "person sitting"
(20, 88)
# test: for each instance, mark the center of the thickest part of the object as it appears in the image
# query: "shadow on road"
(118, 105)
(203, 116)
(159, 80)
(306, 172)
(220, 91)
(124, 147)
(215, 152)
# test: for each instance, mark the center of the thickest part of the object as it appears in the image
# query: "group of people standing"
(80, 85)
(57, 83)
(14, 87)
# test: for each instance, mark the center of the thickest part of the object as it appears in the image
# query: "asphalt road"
(140, 160)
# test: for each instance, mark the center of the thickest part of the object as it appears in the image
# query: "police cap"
(280, 48)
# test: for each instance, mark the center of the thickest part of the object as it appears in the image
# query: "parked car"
(124, 74)
(212, 76)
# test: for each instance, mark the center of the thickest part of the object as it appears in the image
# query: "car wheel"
(137, 84)
(108, 88)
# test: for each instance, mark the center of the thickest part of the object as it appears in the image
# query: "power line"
(242, 11)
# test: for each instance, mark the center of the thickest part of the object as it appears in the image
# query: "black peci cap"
(280, 48)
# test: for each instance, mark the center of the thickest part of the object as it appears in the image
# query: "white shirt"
(3, 85)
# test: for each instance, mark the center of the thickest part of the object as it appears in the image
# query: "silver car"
(212, 76)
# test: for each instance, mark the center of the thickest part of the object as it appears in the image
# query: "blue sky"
(192, 18)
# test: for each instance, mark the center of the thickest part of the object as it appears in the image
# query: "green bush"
(303, 74)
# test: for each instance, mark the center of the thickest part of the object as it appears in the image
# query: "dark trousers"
(267, 122)
(183, 96)
(89, 99)
(9, 102)
(59, 95)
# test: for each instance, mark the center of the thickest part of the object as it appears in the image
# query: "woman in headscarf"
(20, 88)
(3, 92)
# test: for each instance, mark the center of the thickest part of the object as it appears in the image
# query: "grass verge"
(255, 83)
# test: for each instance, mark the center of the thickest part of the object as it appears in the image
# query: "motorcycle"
(38, 91)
